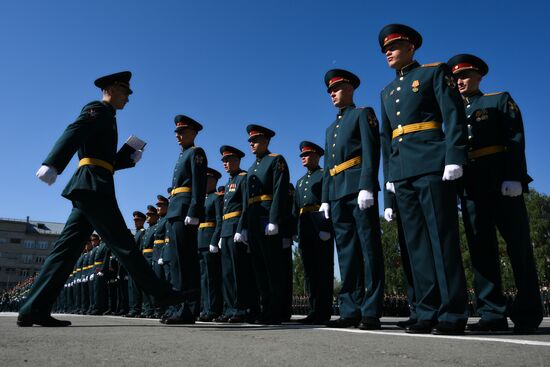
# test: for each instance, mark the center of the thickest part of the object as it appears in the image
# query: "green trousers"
(90, 212)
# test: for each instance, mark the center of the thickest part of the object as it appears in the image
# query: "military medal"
(415, 85)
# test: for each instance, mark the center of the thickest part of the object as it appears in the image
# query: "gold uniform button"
(398, 89)
(398, 113)
(469, 136)
(401, 78)
(337, 126)
(469, 124)
(400, 139)
(468, 106)
(396, 101)
(334, 135)
(333, 145)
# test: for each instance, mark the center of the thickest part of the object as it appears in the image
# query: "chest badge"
(513, 106)
(450, 82)
(372, 120)
(482, 115)
(199, 159)
(281, 166)
(415, 84)
(232, 187)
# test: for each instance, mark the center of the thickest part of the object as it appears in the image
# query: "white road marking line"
(455, 337)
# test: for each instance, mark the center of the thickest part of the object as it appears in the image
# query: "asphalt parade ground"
(118, 341)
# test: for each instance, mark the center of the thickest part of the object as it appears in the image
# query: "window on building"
(27, 259)
(39, 259)
(28, 244)
(43, 245)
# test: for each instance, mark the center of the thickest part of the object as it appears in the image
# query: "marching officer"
(135, 298)
(239, 290)
(494, 182)
(185, 209)
(147, 248)
(349, 199)
(209, 257)
(421, 163)
(91, 190)
(267, 185)
(314, 235)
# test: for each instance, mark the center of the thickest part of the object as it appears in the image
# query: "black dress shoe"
(178, 321)
(95, 313)
(108, 312)
(421, 327)
(42, 320)
(448, 328)
(525, 330)
(306, 320)
(370, 323)
(404, 324)
(343, 322)
(488, 325)
(237, 319)
(206, 318)
(221, 318)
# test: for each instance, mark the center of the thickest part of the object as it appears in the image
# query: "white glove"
(511, 188)
(271, 229)
(220, 243)
(287, 242)
(99, 274)
(160, 261)
(324, 236)
(388, 214)
(295, 238)
(136, 156)
(365, 199)
(47, 174)
(238, 237)
(452, 172)
(390, 187)
(191, 221)
(213, 249)
(92, 277)
(325, 208)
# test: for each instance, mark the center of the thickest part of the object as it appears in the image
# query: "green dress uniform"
(84, 289)
(100, 264)
(496, 150)
(352, 158)
(239, 289)
(91, 279)
(288, 225)
(77, 284)
(187, 200)
(162, 237)
(210, 263)
(135, 295)
(415, 150)
(267, 186)
(91, 191)
(317, 255)
(147, 251)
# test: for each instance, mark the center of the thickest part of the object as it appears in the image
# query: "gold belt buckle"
(400, 130)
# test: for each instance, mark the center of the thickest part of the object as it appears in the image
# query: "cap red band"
(181, 124)
(394, 37)
(336, 80)
(254, 133)
(462, 66)
(307, 149)
(226, 153)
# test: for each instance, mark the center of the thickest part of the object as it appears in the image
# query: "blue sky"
(228, 64)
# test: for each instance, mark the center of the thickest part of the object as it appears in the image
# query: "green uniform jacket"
(162, 233)
(79, 265)
(235, 199)
(100, 257)
(308, 193)
(353, 134)
(213, 212)
(420, 94)
(190, 171)
(138, 237)
(94, 135)
(149, 237)
(269, 176)
(494, 119)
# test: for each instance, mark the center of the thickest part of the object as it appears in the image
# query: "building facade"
(24, 245)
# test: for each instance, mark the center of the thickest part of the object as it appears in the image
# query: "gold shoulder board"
(493, 94)
(431, 64)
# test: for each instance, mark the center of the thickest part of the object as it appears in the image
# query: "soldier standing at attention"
(209, 257)
(100, 287)
(494, 182)
(349, 198)
(135, 298)
(421, 163)
(147, 248)
(91, 191)
(314, 236)
(184, 212)
(239, 289)
(267, 184)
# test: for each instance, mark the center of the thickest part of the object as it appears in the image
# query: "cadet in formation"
(185, 209)
(91, 191)
(267, 184)
(239, 290)
(494, 182)
(421, 163)
(314, 235)
(135, 295)
(349, 199)
(147, 248)
(209, 256)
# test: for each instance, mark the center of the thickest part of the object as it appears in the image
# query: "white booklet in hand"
(135, 142)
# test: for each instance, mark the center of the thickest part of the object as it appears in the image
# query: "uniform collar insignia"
(407, 68)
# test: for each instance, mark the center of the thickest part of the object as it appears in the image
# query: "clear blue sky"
(228, 64)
